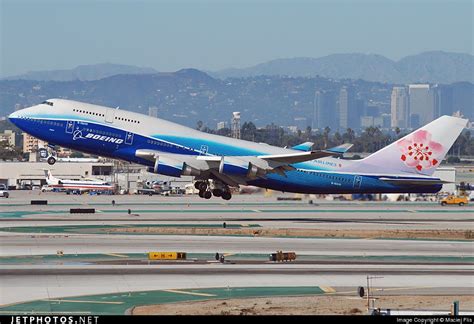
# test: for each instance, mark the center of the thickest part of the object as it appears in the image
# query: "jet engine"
(237, 167)
(172, 167)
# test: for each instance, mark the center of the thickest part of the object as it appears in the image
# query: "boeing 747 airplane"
(405, 166)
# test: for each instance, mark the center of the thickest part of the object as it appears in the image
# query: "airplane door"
(357, 182)
(69, 127)
(109, 115)
(204, 149)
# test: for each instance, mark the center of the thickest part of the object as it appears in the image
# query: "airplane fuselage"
(119, 134)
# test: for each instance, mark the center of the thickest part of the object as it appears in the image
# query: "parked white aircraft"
(81, 185)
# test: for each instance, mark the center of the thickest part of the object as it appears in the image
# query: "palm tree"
(327, 130)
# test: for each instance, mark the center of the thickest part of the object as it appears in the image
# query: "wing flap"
(291, 158)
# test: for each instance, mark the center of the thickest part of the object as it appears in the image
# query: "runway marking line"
(189, 293)
(327, 289)
(40, 313)
(117, 255)
(81, 301)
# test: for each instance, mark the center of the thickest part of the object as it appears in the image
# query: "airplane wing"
(231, 170)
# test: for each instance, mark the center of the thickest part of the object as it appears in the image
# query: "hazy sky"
(211, 35)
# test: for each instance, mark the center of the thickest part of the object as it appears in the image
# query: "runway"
(99, 261)
(13, 244)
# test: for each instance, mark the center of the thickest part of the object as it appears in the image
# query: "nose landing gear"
(51, 160)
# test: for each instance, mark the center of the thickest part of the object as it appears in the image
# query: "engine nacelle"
(172, 167)
(237, 167)
(166, 166)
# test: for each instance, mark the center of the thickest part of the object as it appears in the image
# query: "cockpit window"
(49, 103)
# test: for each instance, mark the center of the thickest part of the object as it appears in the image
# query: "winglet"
(306, 146)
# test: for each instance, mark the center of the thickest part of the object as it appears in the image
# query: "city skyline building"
(324, 110)
(422, 104)
(347, 111)
(399, 108)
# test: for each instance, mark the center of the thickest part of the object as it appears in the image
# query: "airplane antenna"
(117, 107)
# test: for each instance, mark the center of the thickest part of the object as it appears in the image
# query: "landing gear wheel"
(207, 195)
(51, 160)
(226, 195)
(201, 193)
(202, 186)
(196, 184)
(217, 192)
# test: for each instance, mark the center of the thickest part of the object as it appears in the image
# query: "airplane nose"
(13, 117)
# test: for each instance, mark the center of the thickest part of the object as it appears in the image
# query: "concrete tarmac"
(23, 282)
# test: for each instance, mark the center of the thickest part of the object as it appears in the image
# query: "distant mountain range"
(83, 73)
(433, 67)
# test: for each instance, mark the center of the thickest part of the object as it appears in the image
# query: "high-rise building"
(347, 110)
(423, 104)
(324, 110)
(360, 106)
(236, 124)
(153, 111)
(463, 99)
(444, 94)
(400, 108)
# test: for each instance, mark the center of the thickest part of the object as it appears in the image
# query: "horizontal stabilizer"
(296, 157)
(341, 149)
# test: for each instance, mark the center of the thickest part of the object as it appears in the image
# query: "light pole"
(368, 290)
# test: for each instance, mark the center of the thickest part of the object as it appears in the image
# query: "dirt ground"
(306, 305)
(399, 234)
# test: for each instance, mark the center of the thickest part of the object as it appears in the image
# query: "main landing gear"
(216, 189)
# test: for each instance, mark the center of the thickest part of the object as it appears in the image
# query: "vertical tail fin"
(49, 176)
(421, 151)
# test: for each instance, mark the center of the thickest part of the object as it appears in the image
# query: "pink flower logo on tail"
(419, 151)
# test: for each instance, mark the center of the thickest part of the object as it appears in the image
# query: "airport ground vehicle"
(454, 200)
(46, 188)
(145, 191)
(4, 193)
